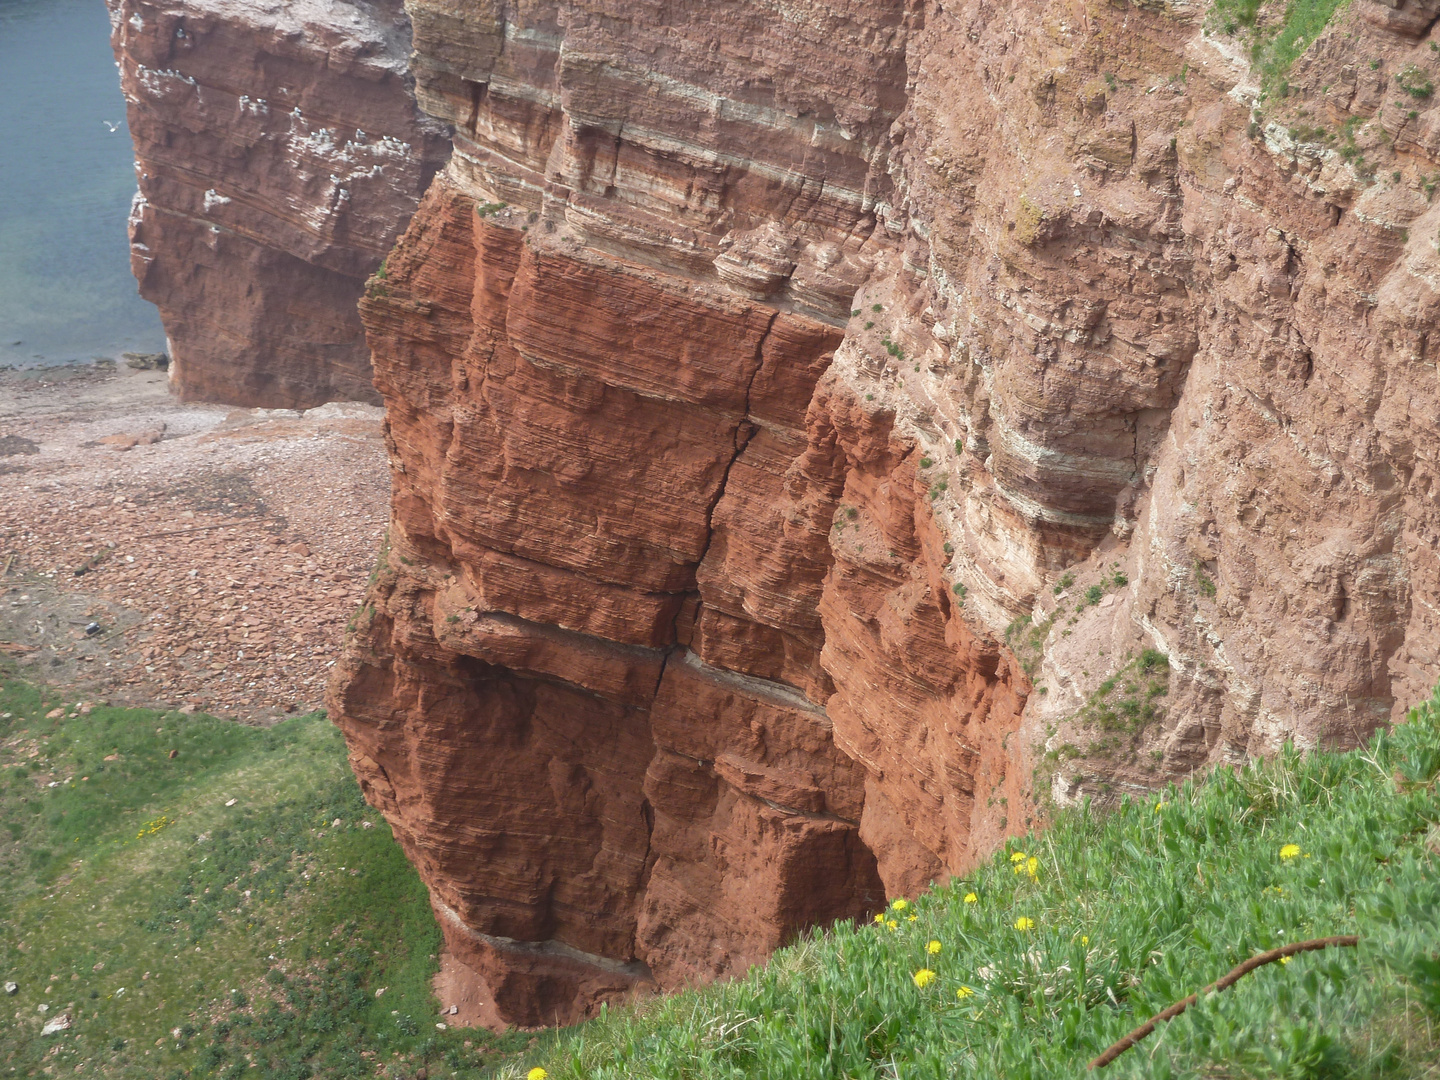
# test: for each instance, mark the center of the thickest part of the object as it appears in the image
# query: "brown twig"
(197, 528)
(1236, 974)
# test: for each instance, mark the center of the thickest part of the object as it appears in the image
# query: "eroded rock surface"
(821, 437)
(279, 154)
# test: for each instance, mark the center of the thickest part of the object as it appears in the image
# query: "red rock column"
(595, 806)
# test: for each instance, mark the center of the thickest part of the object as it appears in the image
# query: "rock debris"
(213, 569)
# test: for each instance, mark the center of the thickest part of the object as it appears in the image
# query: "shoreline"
(97, 360)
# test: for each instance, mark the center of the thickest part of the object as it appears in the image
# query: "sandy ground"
(465, 998)
(212, 566)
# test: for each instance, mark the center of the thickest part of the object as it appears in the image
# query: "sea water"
(66, 179)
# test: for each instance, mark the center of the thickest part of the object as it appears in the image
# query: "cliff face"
(821, 435)
(279, 154)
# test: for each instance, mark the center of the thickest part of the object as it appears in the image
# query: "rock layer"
(279, 154)
(595, 798)
(821, 437)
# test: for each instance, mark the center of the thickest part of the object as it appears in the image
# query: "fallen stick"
(8, 563)
(1236, 974)
(197, 528)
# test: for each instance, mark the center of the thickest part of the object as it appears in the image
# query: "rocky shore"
(181, 555)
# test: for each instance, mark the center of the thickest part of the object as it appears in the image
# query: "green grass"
(1125, 915)
(136, 877)
(132, 872)
(1274, 46)
(1128, 700)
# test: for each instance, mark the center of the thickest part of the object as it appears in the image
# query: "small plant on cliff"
(362, 618)
(1311, 133)
(490, 209)
(1027, 641)
(1140, 682)
(1415, 82)
(1028, 219)
(1231, 16)
(382, 560)
(1066, 580)
(1203, 581)
(374, 287)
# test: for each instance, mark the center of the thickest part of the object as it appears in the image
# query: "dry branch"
(1236, 974)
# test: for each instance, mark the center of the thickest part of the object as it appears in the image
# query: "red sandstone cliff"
(279, 154)
(754, 461)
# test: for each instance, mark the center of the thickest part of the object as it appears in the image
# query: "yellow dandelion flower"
(923, 978)
(911, 918)
(1084, 939)
(1160, 805)
(899, 905)
(536, 1073)
(933, 948)
(971, 898)
(1032, 867)
(1289, 851)
(1284, 959)
(880, 917)
(1024, 923)
(891, 924)
(1018, 857)
(964, 992)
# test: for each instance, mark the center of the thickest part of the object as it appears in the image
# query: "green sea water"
(66, 179)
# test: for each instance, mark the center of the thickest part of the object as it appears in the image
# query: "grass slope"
(138, 876)
(1062, 944)
(184, 937)
(1276, 42)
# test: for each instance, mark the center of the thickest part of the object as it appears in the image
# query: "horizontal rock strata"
(279, 154)
(822, 437)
